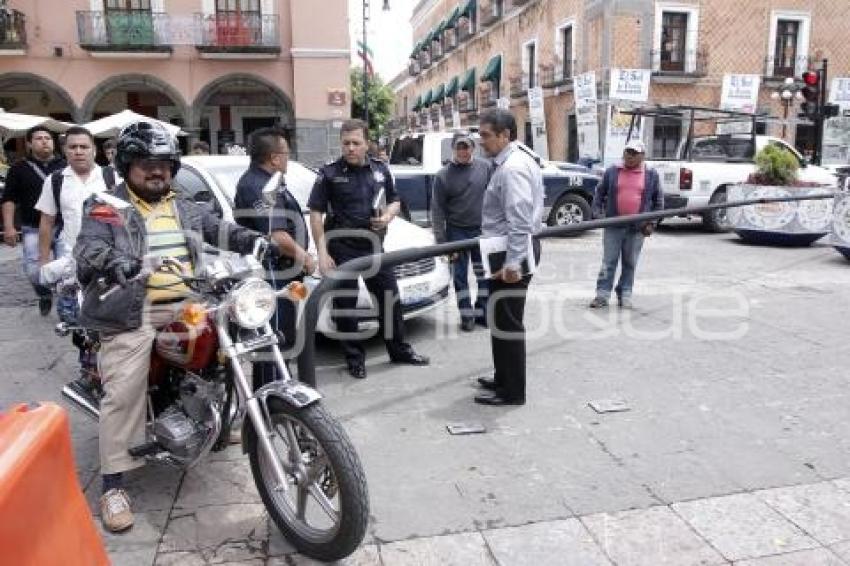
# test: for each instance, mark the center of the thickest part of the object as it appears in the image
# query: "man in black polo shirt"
(283, 222)
(23, 187)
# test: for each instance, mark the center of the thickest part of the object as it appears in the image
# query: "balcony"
(488, 94)
(464, 29)
(490, 12)
(465, 102)
(557, 74)
(678, 66)
(142, 32)
(413, 67)
(13, 33)
(450, 39)
(519, 3)
(519, 86)
(238, 36)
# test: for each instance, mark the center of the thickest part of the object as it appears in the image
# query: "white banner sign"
(740, 93)
(617, 133)
(587, 115)
(537, 117)
(504, 103)
(839, 92)
(630, 84)
(456, 119)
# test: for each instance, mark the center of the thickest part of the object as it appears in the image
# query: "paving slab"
(558, 543)
(742, 526)
(842, 549)
(821, 510)
(217, 483)
(814, 557)
(151, 488)
(364, 556)
(650, 537)
(219, 533)
(466, 549)
(137, 546)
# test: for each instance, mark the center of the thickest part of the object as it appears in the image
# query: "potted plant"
(799, 223)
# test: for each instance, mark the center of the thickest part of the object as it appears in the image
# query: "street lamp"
(786, 94)
(386, 8)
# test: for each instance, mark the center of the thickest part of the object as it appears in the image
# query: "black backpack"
(58, 178)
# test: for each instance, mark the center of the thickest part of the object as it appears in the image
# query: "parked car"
(423, 284)
(416, 158)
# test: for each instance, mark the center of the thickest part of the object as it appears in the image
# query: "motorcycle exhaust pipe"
(83, 402)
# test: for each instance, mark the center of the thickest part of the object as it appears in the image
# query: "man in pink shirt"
(625, 189)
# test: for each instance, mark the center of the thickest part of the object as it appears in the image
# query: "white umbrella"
(109, 126)
(13, 124)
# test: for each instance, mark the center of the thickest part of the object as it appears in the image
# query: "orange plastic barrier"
(44, 517)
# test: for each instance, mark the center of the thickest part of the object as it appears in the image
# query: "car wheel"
(570, 209)
(717, 221)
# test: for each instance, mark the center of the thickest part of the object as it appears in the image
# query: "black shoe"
(45, 303)
(467, 324)
(481, 321)
(496, 400)
(357, 369)
(487, 383)
(411, 358)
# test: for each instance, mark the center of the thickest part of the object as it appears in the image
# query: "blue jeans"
(67, 306)
(460, 275)
(621, 242)
(29, 258)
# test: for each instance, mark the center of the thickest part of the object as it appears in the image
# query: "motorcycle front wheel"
(324, 510)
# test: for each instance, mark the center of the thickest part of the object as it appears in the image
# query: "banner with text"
(587, 115)
(537, 117)
(740, 93)
(630, 84)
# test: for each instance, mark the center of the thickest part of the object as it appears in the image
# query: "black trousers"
(383, 288)
(507, 333)
(284, 322)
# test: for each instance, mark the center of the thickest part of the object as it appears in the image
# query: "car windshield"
(407, 151)
(299, 180)
(722, 148)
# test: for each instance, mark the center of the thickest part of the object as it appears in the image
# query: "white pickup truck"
(709, 164)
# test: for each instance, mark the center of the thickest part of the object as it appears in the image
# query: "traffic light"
(811, 94)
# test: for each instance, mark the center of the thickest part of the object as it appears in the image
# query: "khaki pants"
(125, 361)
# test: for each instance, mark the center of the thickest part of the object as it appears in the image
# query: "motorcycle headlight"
(252, 303)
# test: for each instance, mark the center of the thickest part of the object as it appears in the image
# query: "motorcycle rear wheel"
(334, 482)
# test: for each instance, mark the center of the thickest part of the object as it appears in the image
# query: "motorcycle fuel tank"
(188, 344)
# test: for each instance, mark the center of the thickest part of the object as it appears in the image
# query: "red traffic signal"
(811, 90)
(811, 78)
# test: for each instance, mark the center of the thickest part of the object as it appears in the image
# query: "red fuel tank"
(188, 344)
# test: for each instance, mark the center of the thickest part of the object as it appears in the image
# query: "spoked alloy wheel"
(323, 510)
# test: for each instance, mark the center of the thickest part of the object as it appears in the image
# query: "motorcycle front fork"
(256, 409)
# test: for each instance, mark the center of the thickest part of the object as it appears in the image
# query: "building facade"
(218, 68)
(469, 54)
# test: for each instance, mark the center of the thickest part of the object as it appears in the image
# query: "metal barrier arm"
(350, 269)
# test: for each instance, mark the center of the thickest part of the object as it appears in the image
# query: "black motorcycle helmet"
(145, 140)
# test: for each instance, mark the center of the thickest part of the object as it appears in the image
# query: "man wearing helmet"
(150, 219)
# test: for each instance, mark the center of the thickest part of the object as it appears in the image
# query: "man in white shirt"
(77, 182)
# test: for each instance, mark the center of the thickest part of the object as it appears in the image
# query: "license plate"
(416, 293)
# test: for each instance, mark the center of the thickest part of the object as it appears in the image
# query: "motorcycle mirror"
(270, 188)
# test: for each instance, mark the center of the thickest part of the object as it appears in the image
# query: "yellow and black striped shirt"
(165, 239)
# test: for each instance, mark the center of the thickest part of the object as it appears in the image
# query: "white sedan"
(423, 284)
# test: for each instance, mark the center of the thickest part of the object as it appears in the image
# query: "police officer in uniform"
(283, 222)
(351, 204)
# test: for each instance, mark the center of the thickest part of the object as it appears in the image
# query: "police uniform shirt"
(252, 211)
(347, 192)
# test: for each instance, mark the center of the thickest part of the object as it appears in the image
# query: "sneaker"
(467, 325)
(45, 303)
(598, 303)
(626, 303)
(115, 511)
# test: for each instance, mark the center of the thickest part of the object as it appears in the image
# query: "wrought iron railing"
(785, 68)
(13, 30)
(679, 63)
(519, 87)
(124, 29)
(490, 12)
(558, 73)
(226, 31)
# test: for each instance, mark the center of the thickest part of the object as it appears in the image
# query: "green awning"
(439, 94)
(468, 10)
(442, 27)
(453, 18)
(468, 81)
(426, 43)
(493, 70)
(417, 104)
(451, 87)
(416, 49)
(426, 99)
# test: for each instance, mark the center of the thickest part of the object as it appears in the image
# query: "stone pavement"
(734, 448)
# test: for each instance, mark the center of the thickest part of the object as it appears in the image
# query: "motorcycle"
(306, 469)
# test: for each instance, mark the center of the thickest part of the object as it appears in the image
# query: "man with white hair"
(626, 188)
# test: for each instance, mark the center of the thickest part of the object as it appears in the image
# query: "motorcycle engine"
(184, 427)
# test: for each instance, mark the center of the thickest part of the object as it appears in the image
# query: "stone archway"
(38, 96)
(160, 94)
(228, 108)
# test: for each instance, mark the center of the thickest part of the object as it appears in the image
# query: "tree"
(380, 101)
